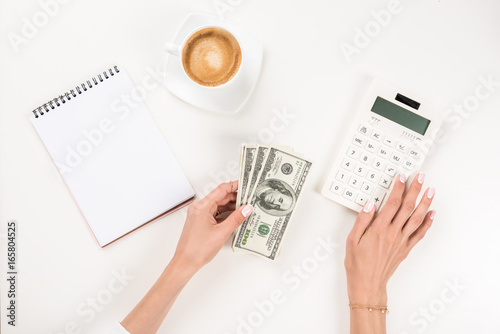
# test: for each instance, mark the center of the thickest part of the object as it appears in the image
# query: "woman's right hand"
(375, 250)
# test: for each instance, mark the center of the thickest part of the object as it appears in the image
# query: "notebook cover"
(111, 155)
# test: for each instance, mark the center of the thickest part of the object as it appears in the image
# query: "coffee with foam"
(211, 57)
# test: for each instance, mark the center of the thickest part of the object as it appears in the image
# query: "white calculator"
(392, 133)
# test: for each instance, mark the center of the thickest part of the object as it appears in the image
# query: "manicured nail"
(431, 192)
(433, 214)
(402, 178)
(247, 210)
(421, 178)
(368, 206)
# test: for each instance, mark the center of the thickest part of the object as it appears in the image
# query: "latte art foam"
(211, 57)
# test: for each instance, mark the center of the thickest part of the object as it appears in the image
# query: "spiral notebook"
(111, 155)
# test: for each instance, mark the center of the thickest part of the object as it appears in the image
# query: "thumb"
(363, 220)
(235, 219)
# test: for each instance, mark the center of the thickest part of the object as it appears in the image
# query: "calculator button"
(385, 181)
(401, 147)
(359, 141)
(337, 188)
(350, 194)
(360, 170)
(384, 152)
(408, 164)
(389, 141)
(413, 153)
(353, 152)
(390, 170)
(364, 130)
(376, 135)
(355, 182)
(366, 158)
(378, 197)
(396, 158)
(361, 199)
(342, 176)
(367, 188)
(371, 147)
(348, 164)
(378, 164)
(372, 176)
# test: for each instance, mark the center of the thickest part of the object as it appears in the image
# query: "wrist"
(183, 269)
(368, 296)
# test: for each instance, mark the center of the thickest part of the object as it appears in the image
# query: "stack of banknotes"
(271, 179)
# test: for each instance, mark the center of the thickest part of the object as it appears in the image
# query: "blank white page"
(113, 157)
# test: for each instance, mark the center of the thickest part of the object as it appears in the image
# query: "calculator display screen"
(400, 115)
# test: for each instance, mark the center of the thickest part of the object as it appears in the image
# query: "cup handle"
(173, 49)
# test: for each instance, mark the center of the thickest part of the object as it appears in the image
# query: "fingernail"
(368, 206)
(433, 214)
(421, 178)
(247, 210)
(402, 178)
(431, 192)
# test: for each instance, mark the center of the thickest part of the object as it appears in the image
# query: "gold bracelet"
(382, 309)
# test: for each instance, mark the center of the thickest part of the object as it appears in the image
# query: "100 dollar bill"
(274, 195)
(259, 160)
(246, 164)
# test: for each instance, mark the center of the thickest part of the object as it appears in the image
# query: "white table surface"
(437, 49)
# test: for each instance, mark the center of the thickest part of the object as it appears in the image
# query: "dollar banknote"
(246, 164)
(274, 187)
(260, 157)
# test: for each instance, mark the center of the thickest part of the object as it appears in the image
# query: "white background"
(437, 49)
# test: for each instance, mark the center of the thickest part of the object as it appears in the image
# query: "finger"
(409, 201)
(222, 190)
(237, 218)
(231, 197)
(213, 207)
(362, 222)
(219, 196)
(420, 232)
(231, 206)
(417, 217)
(393, 203)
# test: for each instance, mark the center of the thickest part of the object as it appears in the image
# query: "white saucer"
(227, 98)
